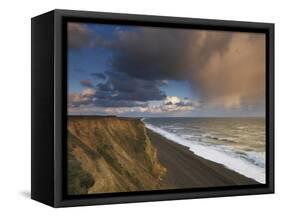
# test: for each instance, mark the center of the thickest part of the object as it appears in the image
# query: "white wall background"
(15, 106)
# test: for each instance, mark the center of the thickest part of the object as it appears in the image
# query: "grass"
(105, 151)
(79, 180)
(73, 141)
(120, 147)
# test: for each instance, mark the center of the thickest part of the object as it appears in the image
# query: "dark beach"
(187, 170)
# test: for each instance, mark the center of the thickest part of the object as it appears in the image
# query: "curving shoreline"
(113, 154)
(187, 170)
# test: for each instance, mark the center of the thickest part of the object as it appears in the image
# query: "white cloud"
(172, 100)
(174, 103)
(84, 102)
(84, 98)
(87, 92)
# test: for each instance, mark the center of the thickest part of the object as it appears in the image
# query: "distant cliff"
(111, 154)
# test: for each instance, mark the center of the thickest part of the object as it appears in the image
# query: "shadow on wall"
(25, 194)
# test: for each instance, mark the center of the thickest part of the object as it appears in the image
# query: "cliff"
(111, 154)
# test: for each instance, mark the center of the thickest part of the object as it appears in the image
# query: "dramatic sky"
(148, 71)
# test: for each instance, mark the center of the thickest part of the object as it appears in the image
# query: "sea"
(237, 143)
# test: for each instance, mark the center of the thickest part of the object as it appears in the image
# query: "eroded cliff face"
(111, 154)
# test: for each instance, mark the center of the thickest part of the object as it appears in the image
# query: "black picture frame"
(49, 107)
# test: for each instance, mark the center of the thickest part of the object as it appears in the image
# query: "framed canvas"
(133, 108)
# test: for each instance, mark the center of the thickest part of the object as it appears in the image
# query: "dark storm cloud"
(118, 103)
(225, 68)
(158, 53)
(105, 87)
(86, 83)
(127, 91)
(131, 88)
(99, 76)
(119, 90)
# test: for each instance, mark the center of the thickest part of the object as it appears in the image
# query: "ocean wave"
(242, 128)
(223, 139)
(173, 128)
(257, 158)
(249, 164)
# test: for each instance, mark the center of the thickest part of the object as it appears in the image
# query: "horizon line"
(167, 116)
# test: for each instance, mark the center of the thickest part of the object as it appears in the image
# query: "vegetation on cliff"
(111, 154)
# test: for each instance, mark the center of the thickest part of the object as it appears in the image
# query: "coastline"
(187, 170)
